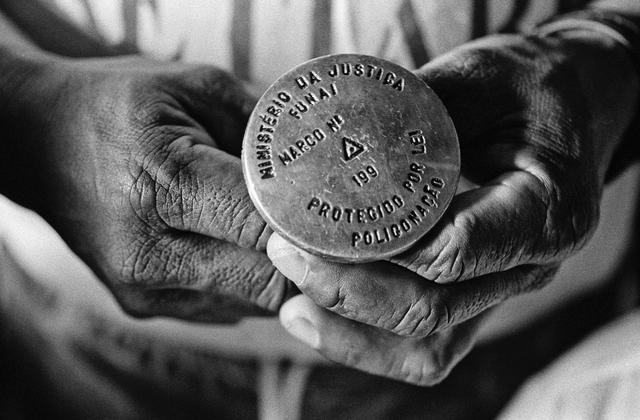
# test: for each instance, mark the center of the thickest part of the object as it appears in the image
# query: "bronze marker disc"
(351, 157)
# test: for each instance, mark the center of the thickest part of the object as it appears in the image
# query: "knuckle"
(568, 190)
(156, 193)
(553, 234)
(571, 218)
(236, 215)
(271, 290)
(175, 186)
(449, 262)
(448, 257)
(425, 317)
(251, 231)
(335, 300)
(142, 196)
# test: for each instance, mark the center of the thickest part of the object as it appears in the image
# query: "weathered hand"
(538, 121)
(378, 317)
(132, 162)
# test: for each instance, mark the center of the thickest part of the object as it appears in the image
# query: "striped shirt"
(258, 40)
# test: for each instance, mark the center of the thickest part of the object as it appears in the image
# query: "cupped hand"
(135, 164)
(539, 120)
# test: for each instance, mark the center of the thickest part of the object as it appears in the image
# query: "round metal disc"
(351, 157)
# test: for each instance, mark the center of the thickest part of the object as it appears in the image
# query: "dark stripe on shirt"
(520, 8)
(130, 19)
(413, 34)
(241, 39)
(47, 27)
(479, 23)
(565, 6)
(321, 34)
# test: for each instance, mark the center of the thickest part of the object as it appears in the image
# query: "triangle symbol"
(351, 148)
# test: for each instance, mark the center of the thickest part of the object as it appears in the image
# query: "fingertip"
(259, 236)
(287, 258)
(300, 317)
(297, 306)
(277, 245)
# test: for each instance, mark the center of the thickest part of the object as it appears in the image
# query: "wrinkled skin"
(134, 163)
(538, 121)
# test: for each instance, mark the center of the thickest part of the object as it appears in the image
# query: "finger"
(193, 187)
(389, 297)
(193, 277)
(505, 223)
(425, 361)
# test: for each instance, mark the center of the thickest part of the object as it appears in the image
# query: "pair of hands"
(135, 164)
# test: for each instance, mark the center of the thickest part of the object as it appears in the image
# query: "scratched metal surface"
(351, 157)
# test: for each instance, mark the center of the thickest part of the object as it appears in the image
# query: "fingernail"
(287, 259)
(303, 330)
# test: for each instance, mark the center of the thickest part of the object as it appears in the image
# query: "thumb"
(470, 81)
(454, 78)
